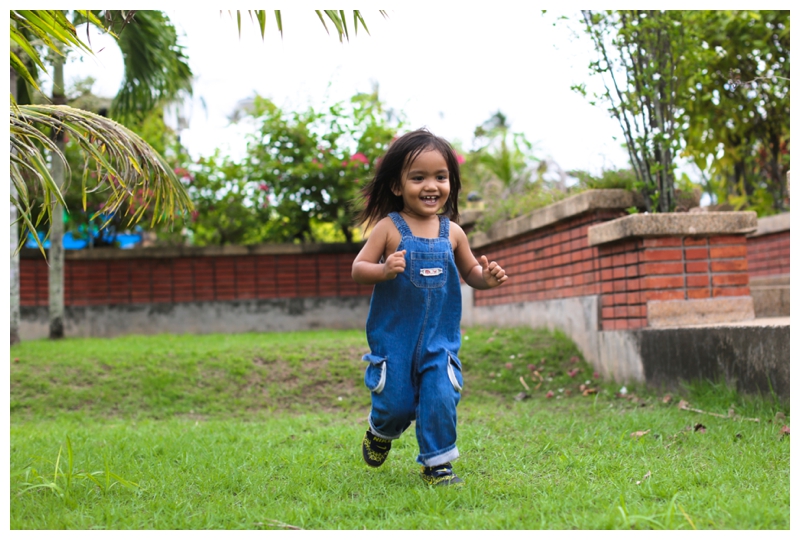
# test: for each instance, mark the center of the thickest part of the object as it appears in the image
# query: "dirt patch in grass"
(322, 384)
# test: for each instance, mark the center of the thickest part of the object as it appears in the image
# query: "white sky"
(449, 70)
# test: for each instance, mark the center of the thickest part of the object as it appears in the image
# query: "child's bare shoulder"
(458, 238)
(455, 226)
(386, 232)
(384, 227)
(456, 232)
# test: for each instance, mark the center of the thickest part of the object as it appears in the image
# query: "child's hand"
(395, 264)
(492, 273)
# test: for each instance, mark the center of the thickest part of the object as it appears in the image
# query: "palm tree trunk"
(14, 304)
(56, 255)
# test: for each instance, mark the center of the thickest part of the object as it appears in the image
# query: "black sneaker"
(440, 475)
(374, 449)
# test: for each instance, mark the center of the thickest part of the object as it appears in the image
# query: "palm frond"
(156, 67)
(333, 15)
(22, 42)
(48, 26)
(337, 17)
(262, 17)
(124, 163)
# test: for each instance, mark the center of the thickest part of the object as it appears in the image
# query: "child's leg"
(439, 394)
(393, 407)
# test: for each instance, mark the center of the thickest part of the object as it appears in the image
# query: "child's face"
(425, 184)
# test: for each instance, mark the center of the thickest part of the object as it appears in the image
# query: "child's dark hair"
(377, 194)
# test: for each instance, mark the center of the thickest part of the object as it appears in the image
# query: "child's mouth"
(430, 200)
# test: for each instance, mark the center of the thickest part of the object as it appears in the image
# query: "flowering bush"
(300, 177)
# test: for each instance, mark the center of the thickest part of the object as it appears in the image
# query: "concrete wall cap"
(772, 224)
(193, 251)
(469, 217)
(673, 224)
(595, 199)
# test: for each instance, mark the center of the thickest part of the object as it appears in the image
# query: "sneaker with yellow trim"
(375, 449)
(440, 475)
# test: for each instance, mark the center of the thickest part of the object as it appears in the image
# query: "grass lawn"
(262, 431)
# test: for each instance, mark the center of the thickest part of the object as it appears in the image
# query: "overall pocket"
(429, 269)
(375, 374)
(454, 372)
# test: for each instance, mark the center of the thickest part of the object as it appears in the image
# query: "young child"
(414, 256)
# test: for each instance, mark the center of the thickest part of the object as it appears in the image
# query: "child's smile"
(425, 185)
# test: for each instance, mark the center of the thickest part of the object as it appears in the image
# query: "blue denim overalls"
(414, 333)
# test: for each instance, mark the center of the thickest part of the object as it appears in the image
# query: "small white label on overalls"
(429, 272)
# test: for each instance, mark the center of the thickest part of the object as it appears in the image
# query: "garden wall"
(587, 245)
(111, 292)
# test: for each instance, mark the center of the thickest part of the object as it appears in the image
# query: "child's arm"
(367, 270)
(478, 275)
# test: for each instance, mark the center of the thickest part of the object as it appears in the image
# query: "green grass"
(249, 432)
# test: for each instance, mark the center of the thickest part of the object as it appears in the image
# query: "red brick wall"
(190, 279)
(669, 268)
(551, 262)
(768, 254)
(557, 262)
(622, 300)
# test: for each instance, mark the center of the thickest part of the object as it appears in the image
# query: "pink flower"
(263, 187)
(183, 174)
(195, 213)
(460, 158)
(358, 156)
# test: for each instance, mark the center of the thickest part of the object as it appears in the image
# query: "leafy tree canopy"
(710, 86)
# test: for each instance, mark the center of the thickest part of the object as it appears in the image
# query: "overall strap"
(400, 223)
(444, 227)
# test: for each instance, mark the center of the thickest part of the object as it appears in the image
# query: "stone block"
(671, 313)
(770, 295)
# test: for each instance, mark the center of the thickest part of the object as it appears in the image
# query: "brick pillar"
(678, 279)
